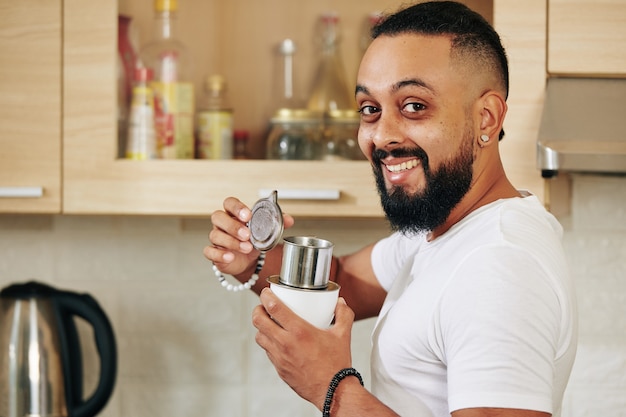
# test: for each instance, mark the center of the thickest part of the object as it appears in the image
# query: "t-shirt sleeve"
(497, 331)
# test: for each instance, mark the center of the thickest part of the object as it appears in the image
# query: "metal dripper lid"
(266, 224)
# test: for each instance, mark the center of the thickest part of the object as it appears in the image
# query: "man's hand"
(230, 249)
(305, 357)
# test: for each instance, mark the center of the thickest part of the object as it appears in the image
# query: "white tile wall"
(595, 241)
(187, 348)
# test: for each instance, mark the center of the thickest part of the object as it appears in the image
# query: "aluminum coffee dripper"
(303, 284)
(306, 260)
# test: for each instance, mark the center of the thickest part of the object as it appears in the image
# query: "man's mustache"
(379, 154)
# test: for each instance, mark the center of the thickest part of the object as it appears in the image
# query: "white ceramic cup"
(315, 306)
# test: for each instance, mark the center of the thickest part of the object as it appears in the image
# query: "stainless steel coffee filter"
(266, 224)
(306, 262)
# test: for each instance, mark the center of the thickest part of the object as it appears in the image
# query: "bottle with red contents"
(173, 90)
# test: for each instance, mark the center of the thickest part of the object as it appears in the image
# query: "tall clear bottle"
(330, 90)
(172, 87)
(214, 121)
(286, 94)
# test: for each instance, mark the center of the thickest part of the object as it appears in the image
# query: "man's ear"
(492, 109)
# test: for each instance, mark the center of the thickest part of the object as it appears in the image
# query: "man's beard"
(425, 210)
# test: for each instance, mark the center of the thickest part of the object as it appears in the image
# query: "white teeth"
(403, 166)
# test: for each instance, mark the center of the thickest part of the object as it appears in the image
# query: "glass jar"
(340, 136)
(295, 134)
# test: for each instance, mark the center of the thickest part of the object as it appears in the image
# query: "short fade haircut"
(470, 32)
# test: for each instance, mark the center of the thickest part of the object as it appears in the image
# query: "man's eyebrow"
(397, 86)
(412, 82)
(361, 89)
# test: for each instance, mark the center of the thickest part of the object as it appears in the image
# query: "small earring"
(484, 138)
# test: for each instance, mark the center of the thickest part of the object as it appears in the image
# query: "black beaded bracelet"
(339, 376)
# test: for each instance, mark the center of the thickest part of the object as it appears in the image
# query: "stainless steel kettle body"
(40, 357)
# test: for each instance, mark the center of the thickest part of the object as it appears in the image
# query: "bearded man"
(476, 311)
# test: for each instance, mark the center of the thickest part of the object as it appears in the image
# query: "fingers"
(240, 211)
(230, 230)
(230, 249)
(229, 233)
(229, 226)
(232, 220)
(275, 308)
(266, 326)
(344, 317)
(218, 256)
(237, 209)
(288, 220)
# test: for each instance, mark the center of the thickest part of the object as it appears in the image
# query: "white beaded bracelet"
(242, 286)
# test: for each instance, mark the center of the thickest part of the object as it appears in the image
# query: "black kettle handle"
(86, 307)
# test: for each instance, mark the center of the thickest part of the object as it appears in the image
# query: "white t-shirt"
(482, 316)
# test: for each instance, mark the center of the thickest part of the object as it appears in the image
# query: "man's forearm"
(353, 400)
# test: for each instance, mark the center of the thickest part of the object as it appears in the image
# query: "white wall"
(186, 347)
(595, 242)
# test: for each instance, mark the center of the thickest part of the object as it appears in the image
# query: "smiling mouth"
(404, 166)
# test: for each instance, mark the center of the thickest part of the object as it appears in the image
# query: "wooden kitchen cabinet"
(587, 37)
(236, 38)
(95, 182)
(30, 106)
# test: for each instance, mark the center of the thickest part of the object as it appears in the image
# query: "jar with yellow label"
(214, 122)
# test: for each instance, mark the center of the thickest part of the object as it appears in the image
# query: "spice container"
(240, 144)
(214, 121)
(295, 135)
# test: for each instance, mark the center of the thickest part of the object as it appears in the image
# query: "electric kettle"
(41, 371)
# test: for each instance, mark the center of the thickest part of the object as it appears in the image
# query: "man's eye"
(368, 110)
(413, 107)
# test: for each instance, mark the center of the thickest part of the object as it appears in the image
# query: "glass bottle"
(285, 91)
(174, 95)
(141, 143)
(214, 121)
(330, 88)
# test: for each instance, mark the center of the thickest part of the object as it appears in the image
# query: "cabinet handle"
(21, 192)
(302, 194)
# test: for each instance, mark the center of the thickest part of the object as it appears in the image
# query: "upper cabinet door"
(587, 37)
(30, 106)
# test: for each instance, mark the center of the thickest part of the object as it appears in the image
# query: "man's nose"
(388, 131)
